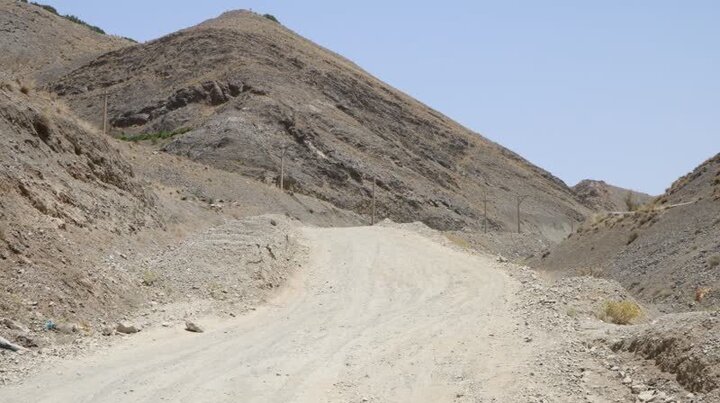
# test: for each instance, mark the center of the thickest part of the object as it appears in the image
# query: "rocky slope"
(601, 196)
(64, 193)
(245, 87)
(668, 252)
(39, 45)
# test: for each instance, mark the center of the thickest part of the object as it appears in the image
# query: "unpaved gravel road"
(379, 314)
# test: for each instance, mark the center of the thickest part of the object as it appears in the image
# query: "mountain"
(601, 196)
(38, 44)
(234, 91)
(665, 252)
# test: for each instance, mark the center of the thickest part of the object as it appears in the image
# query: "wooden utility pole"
(485, 222)
(372, 222)
(282, 168)
(519, 199)
(105, 112)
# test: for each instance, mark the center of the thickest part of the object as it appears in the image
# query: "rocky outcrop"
(249, 87)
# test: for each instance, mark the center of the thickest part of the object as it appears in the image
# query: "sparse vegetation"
(154, 136)
(271, 18)
(700, 293)
(149, 278)
(81, 22)
(68, 17)
(620, 312)
(630, 202)
(458, 240)
(714, 261)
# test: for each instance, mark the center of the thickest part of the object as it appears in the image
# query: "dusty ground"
(385, 313)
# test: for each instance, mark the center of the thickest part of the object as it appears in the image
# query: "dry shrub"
(458, 240)
(701, 292)
(149, 278)
(620, 312)
(714, 261)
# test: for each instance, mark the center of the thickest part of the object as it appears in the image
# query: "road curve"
(379, 314)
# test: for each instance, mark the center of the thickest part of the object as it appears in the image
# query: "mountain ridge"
(260, 87)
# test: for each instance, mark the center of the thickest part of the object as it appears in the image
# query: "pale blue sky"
(625, 91)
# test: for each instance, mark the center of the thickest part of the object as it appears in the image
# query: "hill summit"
(39, 45)
(242, 88)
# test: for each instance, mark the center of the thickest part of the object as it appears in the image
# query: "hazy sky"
(624, 91)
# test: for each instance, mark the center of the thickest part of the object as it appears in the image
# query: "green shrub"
(47, 8)
(714, 261)
(68, 17)
(154, 137)
(81, 22)
(620, 312)
(271, 18)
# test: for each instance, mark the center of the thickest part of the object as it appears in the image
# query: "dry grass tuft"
(701, 292)
(458, 240)
(620, 312)
(149, 278)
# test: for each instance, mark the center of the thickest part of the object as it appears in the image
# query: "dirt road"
(379, 315)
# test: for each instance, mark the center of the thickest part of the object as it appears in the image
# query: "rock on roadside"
(192, 327)
(127, 328)
(7, 345)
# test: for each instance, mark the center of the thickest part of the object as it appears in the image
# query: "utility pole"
(519, 199)
(372, 222)
(282, 168)
(105, 112)
(485, 202)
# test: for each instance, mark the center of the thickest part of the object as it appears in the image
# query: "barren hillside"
(65, 194)
(245, 87)
(666, 252)
(38, 45)
(601, 196)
